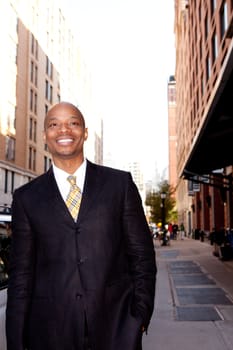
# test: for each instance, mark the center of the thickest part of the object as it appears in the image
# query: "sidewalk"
(194, 299)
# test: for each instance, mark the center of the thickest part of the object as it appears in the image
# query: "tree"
(153, 200)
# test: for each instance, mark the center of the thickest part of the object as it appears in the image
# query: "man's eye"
(52, 125)
(74, 124)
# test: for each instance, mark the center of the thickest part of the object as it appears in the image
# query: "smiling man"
(65, 133)
(82, 267)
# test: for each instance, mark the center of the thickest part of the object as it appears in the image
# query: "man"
(83, 283)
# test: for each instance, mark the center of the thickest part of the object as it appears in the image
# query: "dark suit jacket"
(101, 268)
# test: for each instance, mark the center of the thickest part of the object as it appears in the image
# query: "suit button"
(78, 296)
(81, 261)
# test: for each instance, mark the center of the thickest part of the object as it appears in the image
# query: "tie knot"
(72, 180)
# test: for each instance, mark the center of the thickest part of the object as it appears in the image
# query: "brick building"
(204, 112)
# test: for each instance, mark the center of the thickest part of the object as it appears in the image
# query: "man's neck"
(68, 165)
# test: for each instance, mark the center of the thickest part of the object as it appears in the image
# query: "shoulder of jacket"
(32, 183)
(109, 170)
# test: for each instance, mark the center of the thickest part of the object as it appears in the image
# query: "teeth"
(64, 140)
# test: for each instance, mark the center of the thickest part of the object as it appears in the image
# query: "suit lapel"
(54, 198)
(90, 190)
(92, 185)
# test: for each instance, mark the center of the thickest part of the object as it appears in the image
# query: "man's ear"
(44, 137)
(86, 134)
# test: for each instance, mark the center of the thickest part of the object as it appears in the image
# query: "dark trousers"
(86, 338)
(86, 344)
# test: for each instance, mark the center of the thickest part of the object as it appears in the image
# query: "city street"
(194, 299)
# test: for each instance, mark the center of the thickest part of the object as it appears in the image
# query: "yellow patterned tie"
(74, 197)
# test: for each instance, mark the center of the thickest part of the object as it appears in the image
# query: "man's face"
(65, 132)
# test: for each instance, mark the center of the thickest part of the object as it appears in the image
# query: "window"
(206, 26)
(47, 163)
(34, 160)
(212, 6)
(12, 181)
(30, 158)
(199, 13)
(36, 76)
(49, 68)
(35, 103)
(214, 43)
(6, 181)
(208, 68)
(51, 94)
(200, 50)
(32, 72)
(34, 47)
(223, 19)
(10, 148)
(31, 100)
(30, 128)
(202, 85)
(48, 91)
(32, 44)
(46, 109)
(36, 53)
(35, 131)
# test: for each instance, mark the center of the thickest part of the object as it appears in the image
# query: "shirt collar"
(61, 175)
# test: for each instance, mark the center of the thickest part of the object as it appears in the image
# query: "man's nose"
(64, 127)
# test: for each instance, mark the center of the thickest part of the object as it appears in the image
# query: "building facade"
(39, 66)
(172, 137)
(204, 113)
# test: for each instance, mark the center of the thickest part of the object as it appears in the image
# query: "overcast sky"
(130, 50)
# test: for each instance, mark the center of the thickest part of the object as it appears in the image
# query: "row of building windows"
(48, 96)
(10, 155)
(212, 52)
(34, 77)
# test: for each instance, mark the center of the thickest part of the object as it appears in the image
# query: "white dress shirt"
(62, 182)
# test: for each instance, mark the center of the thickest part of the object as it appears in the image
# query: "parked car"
(5, 242)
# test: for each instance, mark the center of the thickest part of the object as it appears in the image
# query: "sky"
(130, 49)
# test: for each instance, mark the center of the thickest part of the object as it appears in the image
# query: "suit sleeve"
(141, 254)
(20, 277)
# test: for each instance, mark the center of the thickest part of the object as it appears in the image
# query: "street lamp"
(163, 197)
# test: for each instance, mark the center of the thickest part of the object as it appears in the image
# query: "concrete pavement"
(194, 299)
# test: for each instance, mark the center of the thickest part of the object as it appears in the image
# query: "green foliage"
(153, 200)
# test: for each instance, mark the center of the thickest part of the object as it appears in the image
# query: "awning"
(213, 146)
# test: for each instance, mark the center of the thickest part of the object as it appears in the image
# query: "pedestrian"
(78, 279)
(175, 230)
(170, 230)
(182, 231)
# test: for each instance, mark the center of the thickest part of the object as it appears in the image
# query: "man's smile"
(65, 141)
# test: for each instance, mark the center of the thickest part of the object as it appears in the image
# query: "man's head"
(65, 132)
